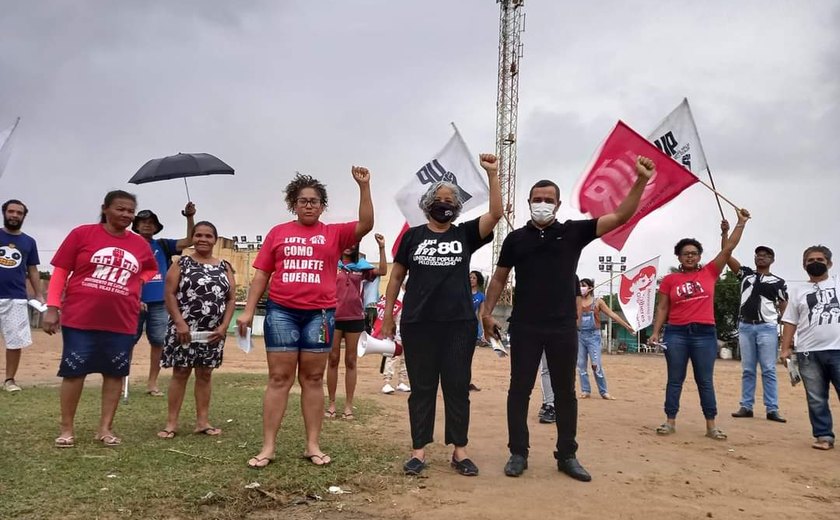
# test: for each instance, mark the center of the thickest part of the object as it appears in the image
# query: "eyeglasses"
(308, 202)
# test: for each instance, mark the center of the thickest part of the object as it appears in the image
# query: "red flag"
(613, 172)
(398, 240)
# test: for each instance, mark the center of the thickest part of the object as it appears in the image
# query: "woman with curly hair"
(687, 305)
(297, 264)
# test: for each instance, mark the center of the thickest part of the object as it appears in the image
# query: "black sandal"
(414, 466)
(465, 467)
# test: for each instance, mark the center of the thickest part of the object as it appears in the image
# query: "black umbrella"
(181, 166)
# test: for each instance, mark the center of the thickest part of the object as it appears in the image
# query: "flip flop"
(818, 445)
(166, 434)
(323, 458)
(154, 393)
(716, 434)
(212, 431)
(665, 429)
(109, 440)
(607, 396)
(584, 396)
(65, 442)
(348, 416)
(329, 414)
(259, 462)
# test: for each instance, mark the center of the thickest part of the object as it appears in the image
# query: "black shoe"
(474, 388)
(414, 466)
(547, 414)
(775, 416)
(516, 464)
(465, 467)
(743, 412)
(572, 467)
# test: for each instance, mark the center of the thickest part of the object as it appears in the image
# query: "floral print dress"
(202, 299)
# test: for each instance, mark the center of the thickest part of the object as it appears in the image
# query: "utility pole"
(606, 265)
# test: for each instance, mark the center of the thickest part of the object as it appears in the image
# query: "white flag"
(677, 137)
(453, 164)
(637, 293)
(6, 145)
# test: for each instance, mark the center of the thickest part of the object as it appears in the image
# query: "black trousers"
(560, 344)
(439, 352)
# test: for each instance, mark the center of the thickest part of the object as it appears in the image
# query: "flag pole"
(717, 196)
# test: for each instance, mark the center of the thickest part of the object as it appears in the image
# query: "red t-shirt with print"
(103, 292)
(692, 296)
(303, 261)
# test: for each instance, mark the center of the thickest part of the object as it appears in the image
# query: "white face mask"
(584, 290)
(542, 212)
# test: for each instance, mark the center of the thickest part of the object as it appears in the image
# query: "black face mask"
(816, 269)
(442, 212)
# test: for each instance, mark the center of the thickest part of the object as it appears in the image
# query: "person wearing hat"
(153, 313)
(763, 299)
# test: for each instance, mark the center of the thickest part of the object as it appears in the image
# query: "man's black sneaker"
(516, 464)
(743, 412)
(547, 414)
(775, 416)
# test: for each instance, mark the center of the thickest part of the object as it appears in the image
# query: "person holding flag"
(545, 254)
(438, 325)
(686, 304)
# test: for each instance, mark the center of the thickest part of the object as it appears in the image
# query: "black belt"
(753, 322)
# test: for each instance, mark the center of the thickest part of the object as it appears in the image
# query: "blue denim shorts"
(297, 330)
(155, 318)
(95, 352)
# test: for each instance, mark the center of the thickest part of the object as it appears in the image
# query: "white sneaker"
(402, 387)
(387, 389)
(9, 385)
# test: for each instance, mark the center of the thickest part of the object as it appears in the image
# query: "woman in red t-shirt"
(297, 263)
(350, 321)
(99, 310)
(687, 304)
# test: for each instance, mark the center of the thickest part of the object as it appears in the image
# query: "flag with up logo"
(6, 145)
(677, 137)
(637, 293)
(607, 181)
(454, 164)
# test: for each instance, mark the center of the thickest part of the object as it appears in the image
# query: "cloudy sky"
(277, 87)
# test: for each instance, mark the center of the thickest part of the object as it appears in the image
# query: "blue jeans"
(589, 346)
(759, 345)
(155, 319)
(298, 330)
(697, 342)
(818, 370)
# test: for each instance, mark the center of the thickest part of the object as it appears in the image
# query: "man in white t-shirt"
(813, 313)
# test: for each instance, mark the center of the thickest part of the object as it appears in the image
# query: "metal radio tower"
(511, 20)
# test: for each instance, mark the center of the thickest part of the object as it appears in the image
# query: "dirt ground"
(764, 469)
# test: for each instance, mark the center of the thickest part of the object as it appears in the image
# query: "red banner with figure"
(608, 180)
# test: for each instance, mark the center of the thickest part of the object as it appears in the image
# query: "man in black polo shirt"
(545, 254)
(763, 299)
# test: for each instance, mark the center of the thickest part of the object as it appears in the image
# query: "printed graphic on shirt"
(690, 289)
(434, 253)
(760, 294)
(114, 267)
(10, 257)
(298, 264)
(823, 307)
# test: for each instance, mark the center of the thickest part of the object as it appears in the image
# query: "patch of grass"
(206, 476)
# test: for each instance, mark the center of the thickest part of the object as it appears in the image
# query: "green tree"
(727, 305)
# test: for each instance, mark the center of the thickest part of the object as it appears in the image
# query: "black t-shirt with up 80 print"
(438, 267)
